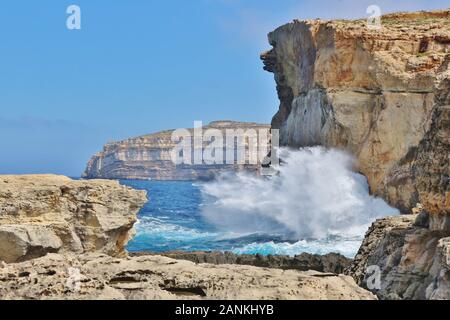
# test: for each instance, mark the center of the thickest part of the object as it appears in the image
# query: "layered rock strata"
(371, 92)
(150, 156)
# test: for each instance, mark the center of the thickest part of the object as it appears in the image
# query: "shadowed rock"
(329, 263)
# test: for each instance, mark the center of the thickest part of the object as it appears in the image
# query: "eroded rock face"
(373, 93)
(414, 260)
(149, 157)
(96, 276)
(42, 214)
(413, 252)
(431, 170)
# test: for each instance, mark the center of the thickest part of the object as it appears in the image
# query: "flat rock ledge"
(328, 263)
(99, 276)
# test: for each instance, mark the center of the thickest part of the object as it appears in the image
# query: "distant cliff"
(149, 157)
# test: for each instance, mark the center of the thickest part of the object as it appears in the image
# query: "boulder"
(412, 262)
(42, 214)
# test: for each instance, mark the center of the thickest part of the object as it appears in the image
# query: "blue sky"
(135, 67)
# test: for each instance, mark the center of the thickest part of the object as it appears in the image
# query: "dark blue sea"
(172, 220)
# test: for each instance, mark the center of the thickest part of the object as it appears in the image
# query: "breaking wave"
(315, 195)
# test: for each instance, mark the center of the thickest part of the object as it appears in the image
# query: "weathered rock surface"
(431, 170)
(64, 239)
(149, 157)
(96, 276)
(373, 93)
(48, 213)
(329, 263)
(414, 261)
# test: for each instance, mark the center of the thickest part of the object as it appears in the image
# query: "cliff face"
(372, 92)
(413, 251)
(383, 95)
(41, 214)
(149, 157)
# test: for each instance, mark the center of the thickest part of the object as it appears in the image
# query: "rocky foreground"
(328, 263)
(413, 259)
(154, 277)
(64, 239)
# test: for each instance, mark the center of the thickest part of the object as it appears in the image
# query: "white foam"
(315, 195)
(151, 226)
(346, 247)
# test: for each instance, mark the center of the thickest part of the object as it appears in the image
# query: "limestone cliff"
(372, 92)
(413, 252)
(149, 157)
(383, 95)
(40, 214)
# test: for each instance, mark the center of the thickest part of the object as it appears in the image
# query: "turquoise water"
(173, 220)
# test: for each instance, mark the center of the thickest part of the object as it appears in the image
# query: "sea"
(172, 220)
(314, 204)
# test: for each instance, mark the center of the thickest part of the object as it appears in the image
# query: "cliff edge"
(384, 96)
(373, 93)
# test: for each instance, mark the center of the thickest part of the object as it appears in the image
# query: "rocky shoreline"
(384, 96)
(88, 224)
(413, 260)
(42, 214)
(330, 263)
